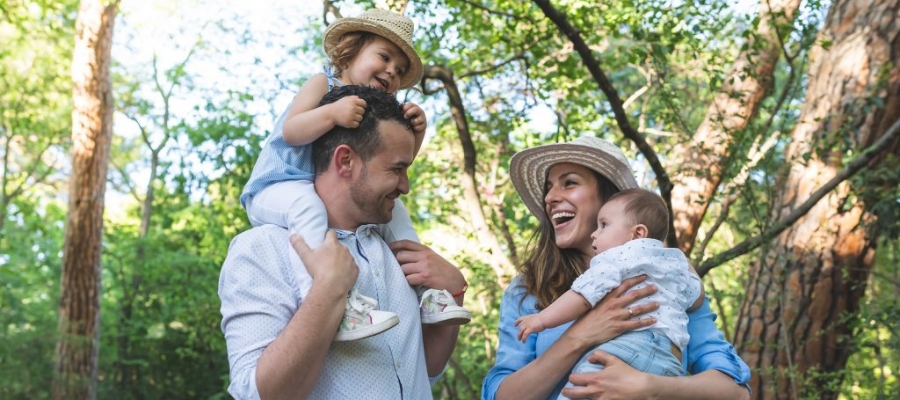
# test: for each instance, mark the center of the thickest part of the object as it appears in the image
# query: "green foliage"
(35, 115)
(29, 275)
(198, 119)
(871, 372)
(161, 305)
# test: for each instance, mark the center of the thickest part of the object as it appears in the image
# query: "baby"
(631, 226)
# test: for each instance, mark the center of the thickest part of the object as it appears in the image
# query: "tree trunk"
(77, 347)
(499, 262)
(747, 84)
(793, 326)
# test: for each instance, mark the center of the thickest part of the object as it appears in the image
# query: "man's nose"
(403, 185)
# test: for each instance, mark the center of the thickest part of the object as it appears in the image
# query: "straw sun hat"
(528, 168)
(389, 25)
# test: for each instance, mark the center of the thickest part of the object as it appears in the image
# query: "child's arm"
(306, 121)
(566, 308)
(416, 117)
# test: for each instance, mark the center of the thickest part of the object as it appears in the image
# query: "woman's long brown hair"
(549, 271)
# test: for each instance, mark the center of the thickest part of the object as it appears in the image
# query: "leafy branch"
(860, 162)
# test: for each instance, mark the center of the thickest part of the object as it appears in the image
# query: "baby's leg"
(293, 205)
(644, 350)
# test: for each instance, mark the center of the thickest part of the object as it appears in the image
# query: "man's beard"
(367, 201)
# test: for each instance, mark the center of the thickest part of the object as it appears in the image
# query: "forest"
(129, 128)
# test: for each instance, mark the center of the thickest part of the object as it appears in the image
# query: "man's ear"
(343, 160)
(639, 232)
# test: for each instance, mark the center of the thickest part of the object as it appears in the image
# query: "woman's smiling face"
(571, 201)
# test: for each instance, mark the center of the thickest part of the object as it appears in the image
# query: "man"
(279, 344)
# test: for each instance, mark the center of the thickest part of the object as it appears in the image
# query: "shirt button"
(377, 273)
(397, 365)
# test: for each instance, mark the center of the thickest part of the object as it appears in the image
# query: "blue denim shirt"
(706, 350)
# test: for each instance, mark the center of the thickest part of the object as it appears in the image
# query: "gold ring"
(630, 313)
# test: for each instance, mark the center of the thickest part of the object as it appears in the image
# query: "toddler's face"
(380, 64)
(614, 228)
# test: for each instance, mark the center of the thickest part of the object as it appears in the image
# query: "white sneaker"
(362, 320)
(438, 307)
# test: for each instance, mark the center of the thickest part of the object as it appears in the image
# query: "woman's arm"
(618, 380)
(718, 372)
(708, 349)
(539, 377)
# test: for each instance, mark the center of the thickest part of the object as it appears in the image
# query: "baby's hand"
(348, 111)
(529, 324)
(416, 117)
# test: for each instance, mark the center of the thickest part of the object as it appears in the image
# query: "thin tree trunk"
(747, 84)
(498, 260)
(78, 344)
(806, 286)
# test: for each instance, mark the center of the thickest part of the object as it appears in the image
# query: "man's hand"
(422, 266)
(329, 263)
(529, 324)
(348, 111)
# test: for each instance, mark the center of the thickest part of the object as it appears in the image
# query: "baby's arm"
(306, 121)
(566, 308)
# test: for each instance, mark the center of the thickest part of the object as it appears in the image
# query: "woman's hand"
(613, 315)
(617, 380)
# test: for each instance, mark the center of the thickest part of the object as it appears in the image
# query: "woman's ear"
(639, 232)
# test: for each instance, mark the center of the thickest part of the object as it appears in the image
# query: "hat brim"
(352, 24)
(528, 170)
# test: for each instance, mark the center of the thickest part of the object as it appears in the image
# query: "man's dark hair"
(365, 139)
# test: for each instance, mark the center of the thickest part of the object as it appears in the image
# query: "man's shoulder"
(266, 235)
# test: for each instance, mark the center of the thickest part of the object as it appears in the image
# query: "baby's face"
(614, 228)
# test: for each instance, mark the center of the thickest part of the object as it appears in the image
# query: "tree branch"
(851, 169)
(615, 103)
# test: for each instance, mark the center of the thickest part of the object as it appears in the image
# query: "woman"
(564, 185)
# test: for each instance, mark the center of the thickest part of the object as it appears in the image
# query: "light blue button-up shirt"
(665, 267)
(260, 294)
(706, 350)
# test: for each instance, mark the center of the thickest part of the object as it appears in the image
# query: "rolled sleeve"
(512, 354)
(708, 349)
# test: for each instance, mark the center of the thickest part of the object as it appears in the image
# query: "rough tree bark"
(808, 281)
(747, 84)
(77, 349)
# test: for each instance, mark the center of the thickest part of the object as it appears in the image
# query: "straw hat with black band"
(389, 25)
(528, 168)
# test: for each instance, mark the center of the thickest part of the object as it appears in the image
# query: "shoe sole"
(458, 317)
(368, 331)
